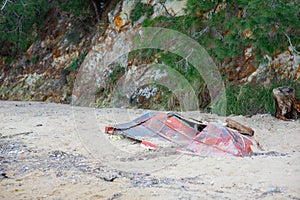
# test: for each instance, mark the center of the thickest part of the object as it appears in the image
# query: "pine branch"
(198, 34)
(291, 45)
(164, 6)
(4, 4)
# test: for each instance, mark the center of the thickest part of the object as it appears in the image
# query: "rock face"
(284, 66)
(47, 71)
(110, 51)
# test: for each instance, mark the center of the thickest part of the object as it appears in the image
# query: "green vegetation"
(80, 8)
(250, 100)
(181, 65)
(140, 10)
(225, 29)
(76, 64)
(19, 22)
(115, 75)
(176, 63)
(104, 94)
(35, 59)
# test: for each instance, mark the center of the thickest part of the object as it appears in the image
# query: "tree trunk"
(285, 103)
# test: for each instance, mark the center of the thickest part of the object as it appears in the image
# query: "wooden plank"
(239, 127)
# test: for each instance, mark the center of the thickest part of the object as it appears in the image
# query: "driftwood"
(241, 128)
(14, 135)
(286, 103)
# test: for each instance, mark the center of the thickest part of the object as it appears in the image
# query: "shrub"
(140, 10)
(250, 100)
(18, 22)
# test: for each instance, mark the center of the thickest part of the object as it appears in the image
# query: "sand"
(55, 151)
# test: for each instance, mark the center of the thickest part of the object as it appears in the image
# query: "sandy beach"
(56, 151)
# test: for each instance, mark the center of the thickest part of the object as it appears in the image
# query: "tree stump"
(285, 103)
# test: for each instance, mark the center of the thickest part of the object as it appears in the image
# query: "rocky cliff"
(70, 50)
